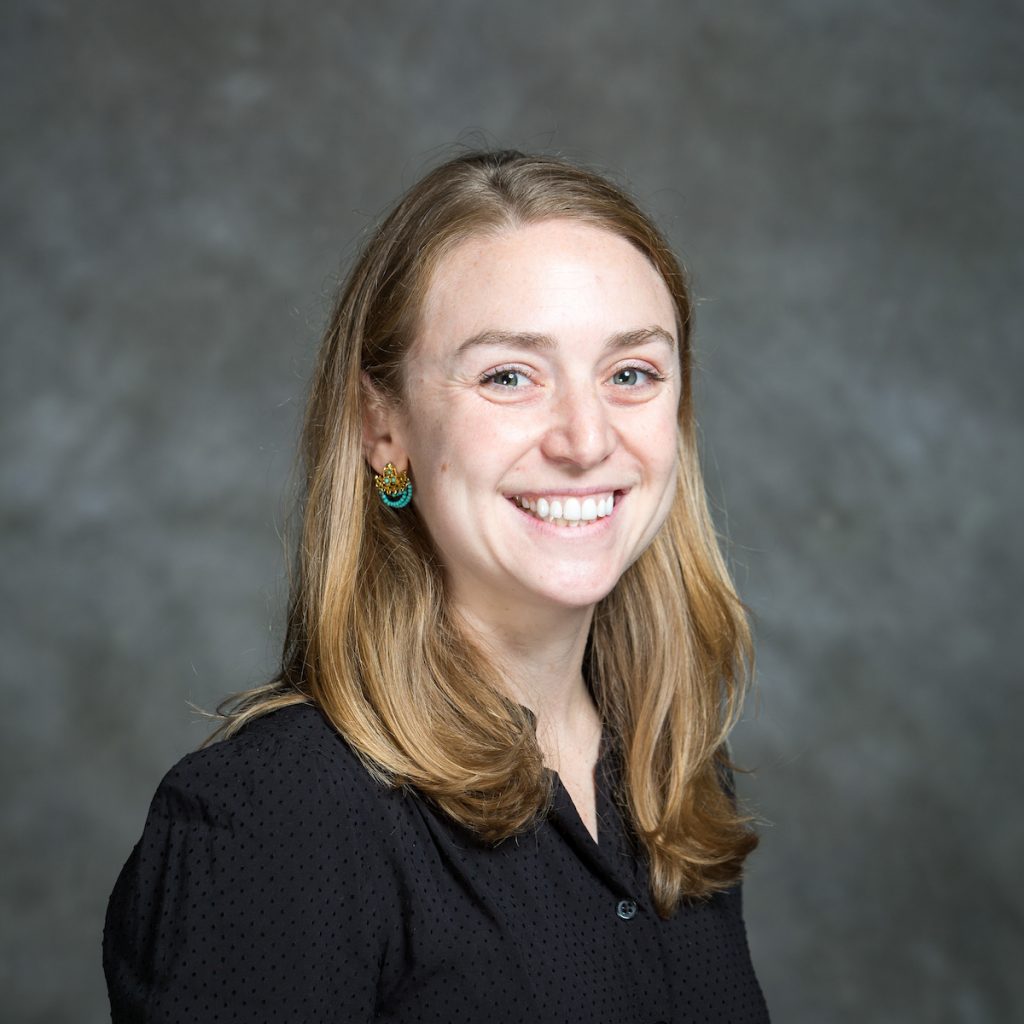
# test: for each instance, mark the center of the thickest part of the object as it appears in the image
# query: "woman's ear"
(382, 437)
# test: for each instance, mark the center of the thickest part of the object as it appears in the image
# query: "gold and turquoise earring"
(394, 487)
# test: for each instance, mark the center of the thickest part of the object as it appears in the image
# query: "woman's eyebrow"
(542, 342)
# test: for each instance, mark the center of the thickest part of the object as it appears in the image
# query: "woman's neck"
(539, 653)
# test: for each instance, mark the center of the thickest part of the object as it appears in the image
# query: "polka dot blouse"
(276, 881)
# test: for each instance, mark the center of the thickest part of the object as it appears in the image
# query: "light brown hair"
(372, 640)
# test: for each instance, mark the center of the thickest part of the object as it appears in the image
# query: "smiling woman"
(569, 394)
(510, 620)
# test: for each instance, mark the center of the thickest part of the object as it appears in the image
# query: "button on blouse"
(276, 881)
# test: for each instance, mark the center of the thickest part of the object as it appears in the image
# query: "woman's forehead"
(545, 277)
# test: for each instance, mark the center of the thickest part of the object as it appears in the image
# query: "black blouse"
(276, 881)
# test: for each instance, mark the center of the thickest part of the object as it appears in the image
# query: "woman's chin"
(572, 592)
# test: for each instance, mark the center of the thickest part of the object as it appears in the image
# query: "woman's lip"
(569, 492)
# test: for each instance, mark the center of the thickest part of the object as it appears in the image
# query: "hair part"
(669, 655)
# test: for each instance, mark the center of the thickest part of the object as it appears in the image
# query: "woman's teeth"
(568, 511)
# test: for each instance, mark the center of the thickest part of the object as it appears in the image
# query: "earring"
(394, 487)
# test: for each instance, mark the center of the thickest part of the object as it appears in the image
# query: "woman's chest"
(548, 926)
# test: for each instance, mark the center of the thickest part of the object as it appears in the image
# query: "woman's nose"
(580, 430)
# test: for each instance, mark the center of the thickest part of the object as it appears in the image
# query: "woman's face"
(545, 371)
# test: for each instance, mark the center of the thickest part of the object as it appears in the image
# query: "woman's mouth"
(568, 510)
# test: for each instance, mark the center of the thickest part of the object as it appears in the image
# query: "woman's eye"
(503, 378)
(633, 375)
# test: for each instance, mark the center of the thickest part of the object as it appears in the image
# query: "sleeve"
(254, 894)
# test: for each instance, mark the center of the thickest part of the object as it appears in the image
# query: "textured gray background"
(182, 183)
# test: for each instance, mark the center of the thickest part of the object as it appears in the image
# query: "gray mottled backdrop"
(181, 185)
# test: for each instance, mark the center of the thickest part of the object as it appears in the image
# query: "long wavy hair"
(373, 641)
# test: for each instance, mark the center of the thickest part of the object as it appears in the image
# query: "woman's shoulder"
(298, 730)
(274, 851)
(284, 764)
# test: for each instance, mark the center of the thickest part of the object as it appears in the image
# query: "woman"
(490, 781)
